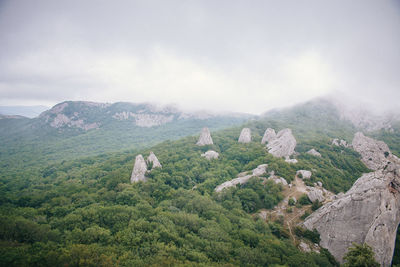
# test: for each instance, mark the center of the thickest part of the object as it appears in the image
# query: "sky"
(225, 55)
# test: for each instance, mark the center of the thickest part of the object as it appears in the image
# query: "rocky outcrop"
(205, 138)
(144, 120)
(304, 174)
(283, 145)
(315, 194)
(210, 154)
(341, 142)
(260, 170)
(278, 180)
(369, 212)
(375, 154)
(153, 160)
(139, 170)
(269, 135)
(291, 161)
(245, 136)
(314, 152)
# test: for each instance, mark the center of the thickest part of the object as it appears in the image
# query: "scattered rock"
(245, 136)
(139, 169)
(341, 142)
(304, 247)
(210, 154)
(278, 180)
(154, 160)
(205, 138)
(304, 174)
(319, 183)
(269, 135)
(260, 170)
(314, 152)
(291, 161)
(375, 154)
(283, 145)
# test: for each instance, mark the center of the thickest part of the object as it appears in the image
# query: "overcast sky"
(243, 56)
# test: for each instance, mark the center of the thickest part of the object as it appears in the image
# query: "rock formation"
(153, 160)
(304, 174)
(260, 170)
(341, 142)
(269, 135)
(314, 152)
(283, 145)
(139, 169)
(315, 194)
(369, 212)
(291, 161)
(205, 138)
(245, 136)
(375, 154)
(210, 154)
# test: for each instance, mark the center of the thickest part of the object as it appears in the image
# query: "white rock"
(304, 247)
(291, 161)
(210, 154)
(245, 136)
(260, 170)
(154, 160)
(139, 170)
(269, 135)
(319, 183)
(205, 138)
(283, 145)
(315, 194)
(314, 152)
(372, 151)
(304, 173)
(341, 142)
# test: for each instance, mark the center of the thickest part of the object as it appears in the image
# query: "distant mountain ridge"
(25, 111)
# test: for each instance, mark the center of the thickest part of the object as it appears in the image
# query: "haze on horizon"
(216, 55)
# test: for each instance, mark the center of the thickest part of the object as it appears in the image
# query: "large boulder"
(245, 136)
(369, 212)
(315, 194)
(205, 138)
(139, 170)
(314, 152)
(152, 159)
(304, 174)
(283, 145)
(375, 154)
(210, 154)
(269, 135)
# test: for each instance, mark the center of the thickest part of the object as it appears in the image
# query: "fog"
(236, 56)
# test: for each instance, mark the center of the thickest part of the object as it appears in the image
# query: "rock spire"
(139, 169)
(245, 136)
(283, 145)
(205, 138)
(269, 135)
(152, 159)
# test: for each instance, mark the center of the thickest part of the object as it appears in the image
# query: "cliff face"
(369, 212)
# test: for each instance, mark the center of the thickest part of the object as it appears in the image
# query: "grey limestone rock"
(260, 170)
(210, 154)
(375, 154)
(139, 169)
(283, 145)
(314, 152)
(269, 135)
(304, 174)
(341, 142)
(205, 138)
(154, 160)
(368, 213)
(315, 194)
(245, 136)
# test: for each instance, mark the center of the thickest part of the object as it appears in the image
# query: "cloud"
(200, 55)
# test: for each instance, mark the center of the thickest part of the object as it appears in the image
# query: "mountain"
(25, 111)
(67, 199)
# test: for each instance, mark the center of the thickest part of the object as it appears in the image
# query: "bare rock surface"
(260, 170)
(269, 135)
(315, 194)
(245, 136)
(314, 152)
(368, 213)
(278, 180)
(283, 145)
(139, 169)
(154, 160)
(339, 142)
(205, 138)
(210, 154)
(144, 120)
(304, 174)
(375, 154)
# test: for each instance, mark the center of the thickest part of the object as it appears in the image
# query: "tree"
(360, 255)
